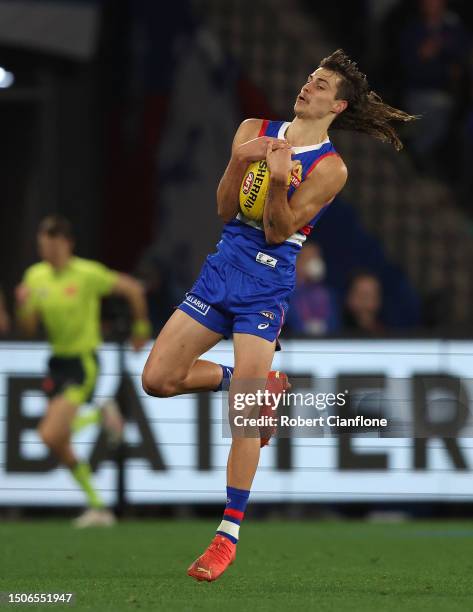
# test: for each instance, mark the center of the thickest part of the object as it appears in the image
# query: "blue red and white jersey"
(243, 242)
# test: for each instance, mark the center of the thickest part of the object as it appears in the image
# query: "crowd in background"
(316, 309)
(419, 56)
(429, 53)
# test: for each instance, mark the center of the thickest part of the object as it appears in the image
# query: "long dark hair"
(366, 112)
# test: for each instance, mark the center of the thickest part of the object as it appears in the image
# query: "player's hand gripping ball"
(255, 184)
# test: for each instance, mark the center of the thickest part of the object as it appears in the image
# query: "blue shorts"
(227, 300)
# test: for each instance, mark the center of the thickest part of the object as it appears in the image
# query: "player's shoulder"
(81, 265)
(37, 271)
(250, 128)
(251, 123)
(331, 163)
(334, 158)
(328, 173)
(336, 163)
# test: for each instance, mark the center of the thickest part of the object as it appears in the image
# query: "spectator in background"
(312, 309)
(434, 48)
(4, 317)
(363, 304)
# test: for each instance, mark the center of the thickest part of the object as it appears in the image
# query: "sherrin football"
(253, 190)
(255, 184)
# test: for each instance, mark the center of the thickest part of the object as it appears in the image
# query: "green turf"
(280, 566)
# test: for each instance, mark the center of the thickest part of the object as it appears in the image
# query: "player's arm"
(246, 148)
(133, 292)
(27, 317)
(282, 218)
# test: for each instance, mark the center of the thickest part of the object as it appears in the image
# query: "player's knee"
(159, 384)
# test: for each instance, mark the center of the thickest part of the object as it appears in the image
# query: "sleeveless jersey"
(243, 242)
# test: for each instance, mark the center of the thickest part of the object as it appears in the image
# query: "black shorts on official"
(73, 377)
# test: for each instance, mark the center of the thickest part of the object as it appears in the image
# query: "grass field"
(280, 566)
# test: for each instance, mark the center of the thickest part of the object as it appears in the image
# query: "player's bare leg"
(55, 431)
(253, 358)
(173, 367)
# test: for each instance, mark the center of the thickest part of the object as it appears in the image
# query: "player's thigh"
(253, 356)
(181, 342)
(56, 423)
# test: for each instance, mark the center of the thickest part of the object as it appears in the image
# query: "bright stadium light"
(6, 78)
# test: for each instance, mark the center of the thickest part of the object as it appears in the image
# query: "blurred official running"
(64, 292)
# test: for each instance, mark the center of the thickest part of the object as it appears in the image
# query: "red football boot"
(277, 383)
(219, 555)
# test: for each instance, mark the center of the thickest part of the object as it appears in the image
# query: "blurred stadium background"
(119, 115)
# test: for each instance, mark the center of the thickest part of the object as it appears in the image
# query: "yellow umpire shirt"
(68, 301)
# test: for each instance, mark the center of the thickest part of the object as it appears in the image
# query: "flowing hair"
(366, 112)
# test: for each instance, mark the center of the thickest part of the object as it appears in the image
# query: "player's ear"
(339, 106)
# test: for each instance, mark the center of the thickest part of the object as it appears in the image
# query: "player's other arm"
(133, 292)
(246, 148)
(282, 218)
(27, 317)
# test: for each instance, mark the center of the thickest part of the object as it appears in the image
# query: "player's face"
(317, 98)
(52, 248)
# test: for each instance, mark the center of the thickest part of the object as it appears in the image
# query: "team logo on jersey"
(197, 304)
(268, 314)
(248, 183)
(296, 175)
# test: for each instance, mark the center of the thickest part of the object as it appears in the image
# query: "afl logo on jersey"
(248, 183)
(296, 175)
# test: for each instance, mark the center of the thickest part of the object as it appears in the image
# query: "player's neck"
(60, 262)
(302, 133)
